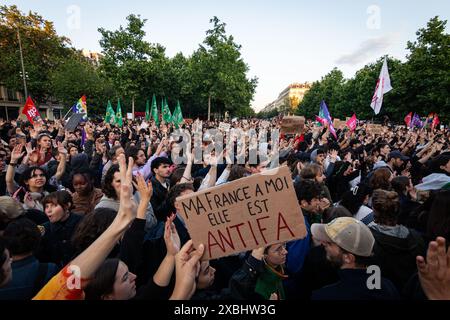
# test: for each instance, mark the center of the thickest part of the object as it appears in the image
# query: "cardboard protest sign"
(245, 214)
(74, 121)
(375, 128)
(264, 124)
(224, 126)
(292, 124)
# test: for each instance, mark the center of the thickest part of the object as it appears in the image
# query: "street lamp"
(24, 74)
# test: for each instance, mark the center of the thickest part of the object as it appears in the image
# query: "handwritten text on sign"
(244, 214)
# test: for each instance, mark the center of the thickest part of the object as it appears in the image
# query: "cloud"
(367, 49)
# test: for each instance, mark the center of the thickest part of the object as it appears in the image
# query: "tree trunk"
(209, 107)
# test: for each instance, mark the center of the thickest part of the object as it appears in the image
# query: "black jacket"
(397, 256)
(353, 286)
(56, 243)
(158, 199)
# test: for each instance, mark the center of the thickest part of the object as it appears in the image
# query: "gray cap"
(348, 233)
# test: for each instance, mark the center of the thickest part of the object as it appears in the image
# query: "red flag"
(351, 123)
(435, 121)
(30, 110)
(408, 119)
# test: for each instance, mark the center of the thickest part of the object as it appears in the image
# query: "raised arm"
(15, 156)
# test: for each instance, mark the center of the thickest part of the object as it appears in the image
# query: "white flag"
(383, 86)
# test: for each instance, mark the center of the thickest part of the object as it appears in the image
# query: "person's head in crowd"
(10, 209)
(275, 255)
(318, 156)
(117, 143)
(137, 154)
(176, 191)
(5, 264)
(34, 179)
(396, 159)
(161, 168)
(401, 184)
(313, 171)
(308, 195)
(333, 212)
(111, 281)
(348, 242)
(438, 224)
(44, 141)
(82, 182)
(57, 206)
(385, 206)
(381, 179)
(12, 143)
(383, 149)
(176, 176)
(355, 143)
(111, 183)
(22, 238)
(441, 164)
(353, 199)
(73, 150)
(259, 167)
(3, 156)
(111, 137)
(114, 152)
(206, 275)
(237, 172)
(91, 227)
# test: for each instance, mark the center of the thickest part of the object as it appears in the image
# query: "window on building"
(43, 113)
(57, 113)
(13, 112)
(12, 95)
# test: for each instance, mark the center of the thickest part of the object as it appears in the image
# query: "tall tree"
(43, 51)
(219, 73)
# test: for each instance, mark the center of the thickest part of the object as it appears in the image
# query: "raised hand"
(171, 237)
(127, 209)
(17, 153)
(187, 267)
(434, 273)
(61, 149)
(145, 189)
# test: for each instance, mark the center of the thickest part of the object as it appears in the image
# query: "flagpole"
(67, 114)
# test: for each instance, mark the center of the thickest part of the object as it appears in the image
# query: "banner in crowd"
(242, 215)
(293, 124)
(375, 128)
(224, 126)
(351, 122)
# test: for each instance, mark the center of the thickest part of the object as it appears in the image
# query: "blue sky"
(282, 41)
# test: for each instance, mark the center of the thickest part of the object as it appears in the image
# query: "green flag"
(154, 111)
(119, 119)
(110, 115)
(147, 111)
(166, 115)
(177, 118)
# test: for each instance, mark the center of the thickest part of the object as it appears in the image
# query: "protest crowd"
(95, 211)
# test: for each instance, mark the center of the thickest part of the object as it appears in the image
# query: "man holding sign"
(243, 215)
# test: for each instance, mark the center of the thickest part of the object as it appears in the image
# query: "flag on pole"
(327, 117)
(416, 122)
(408, 119)
(154, 111)
(119, 118)
(80, 106)
(31, 111)
(383, 86)
(110, 114)
(322, 121)
(177, 118)
(147, 110)
(435, 121)
(166, 115)
(351, 123)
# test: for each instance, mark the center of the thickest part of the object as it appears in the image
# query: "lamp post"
(23, 66)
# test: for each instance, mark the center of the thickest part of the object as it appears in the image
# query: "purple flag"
(327, 117)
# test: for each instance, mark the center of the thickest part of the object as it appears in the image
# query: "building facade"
(289, 99)
(12, 101)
